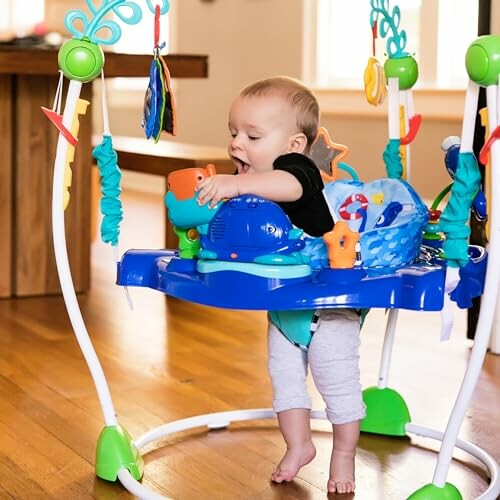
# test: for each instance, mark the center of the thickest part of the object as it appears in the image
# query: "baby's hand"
(215, 188)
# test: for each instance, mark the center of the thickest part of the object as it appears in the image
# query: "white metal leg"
(385, 361)
(486, 315)
(495, 331)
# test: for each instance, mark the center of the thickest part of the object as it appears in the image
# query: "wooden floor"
(166, 360)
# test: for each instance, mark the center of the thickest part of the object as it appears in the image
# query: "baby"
(273, 123)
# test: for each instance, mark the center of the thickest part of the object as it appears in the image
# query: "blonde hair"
(297, 94)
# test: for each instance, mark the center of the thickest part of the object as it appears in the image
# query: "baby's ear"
(298, 143)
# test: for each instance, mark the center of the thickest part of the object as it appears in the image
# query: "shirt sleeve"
(310, 212)
(305, 171)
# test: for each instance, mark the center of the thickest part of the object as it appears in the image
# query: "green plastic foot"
(386, 412)
(433, 492)
(115, 451)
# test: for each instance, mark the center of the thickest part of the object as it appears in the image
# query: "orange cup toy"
(183, 182)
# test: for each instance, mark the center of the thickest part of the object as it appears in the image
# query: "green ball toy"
(80, 60)
(405, 69)
(482, 60)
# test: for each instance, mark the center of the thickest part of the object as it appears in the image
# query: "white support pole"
(390, 330)
(487, 312)
(62, 261)
(385, 362)
(395, 99)
(495, 331)
(469, 119)
(393, 108)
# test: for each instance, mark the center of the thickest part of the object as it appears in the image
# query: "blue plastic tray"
(417, 287)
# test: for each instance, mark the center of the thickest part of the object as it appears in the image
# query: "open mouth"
(240, 165)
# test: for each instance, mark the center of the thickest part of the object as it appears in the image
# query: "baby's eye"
(253, 138)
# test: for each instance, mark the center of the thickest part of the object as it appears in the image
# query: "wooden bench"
(141, 155)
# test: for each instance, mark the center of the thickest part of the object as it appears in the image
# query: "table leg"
(33, 263)
(6, 183)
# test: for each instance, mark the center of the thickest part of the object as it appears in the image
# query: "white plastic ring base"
(223, 419)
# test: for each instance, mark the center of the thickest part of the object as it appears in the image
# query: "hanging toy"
(159, 105)
(327, 154)
(107, 163)
(375, 82)
(70, 134)
(401, 73)
(374, 76)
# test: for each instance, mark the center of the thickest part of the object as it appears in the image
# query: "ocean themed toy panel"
(246, 254)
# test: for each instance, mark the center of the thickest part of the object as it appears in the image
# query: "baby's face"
(261, 128)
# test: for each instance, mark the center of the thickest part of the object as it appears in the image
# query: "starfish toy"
(327, 154)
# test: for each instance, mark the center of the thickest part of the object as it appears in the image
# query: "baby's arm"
(276, 185)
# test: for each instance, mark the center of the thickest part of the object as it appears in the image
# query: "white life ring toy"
(360, 198)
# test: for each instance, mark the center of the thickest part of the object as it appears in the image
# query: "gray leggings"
(333, 357)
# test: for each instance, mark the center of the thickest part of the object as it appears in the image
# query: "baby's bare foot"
(341, 472)
(292, 461)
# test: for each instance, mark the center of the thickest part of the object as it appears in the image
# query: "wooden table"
(28, 80)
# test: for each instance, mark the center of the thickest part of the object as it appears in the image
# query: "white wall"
(495, 16)
(245, 40)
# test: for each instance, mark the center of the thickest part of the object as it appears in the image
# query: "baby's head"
(269, 118)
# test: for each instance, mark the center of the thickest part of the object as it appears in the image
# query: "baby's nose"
(236, 143)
